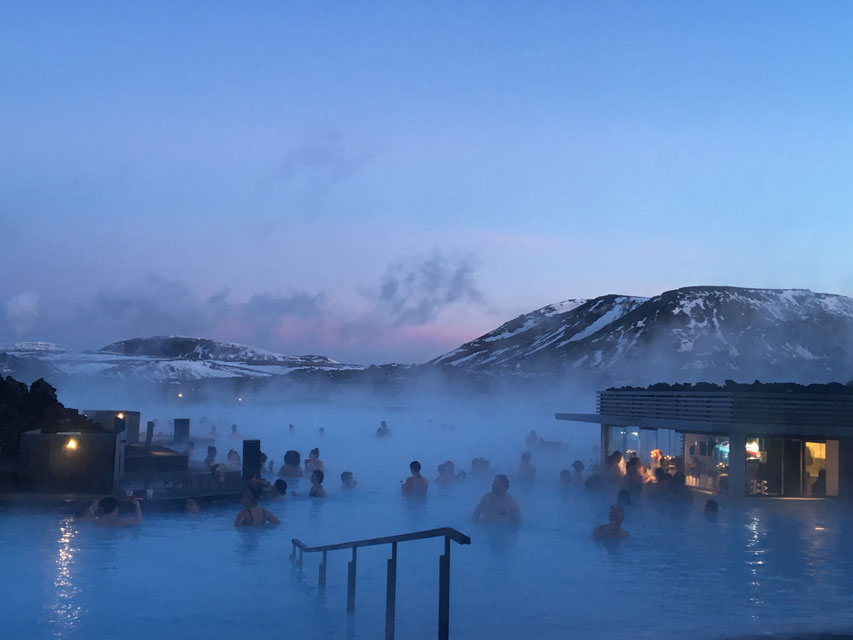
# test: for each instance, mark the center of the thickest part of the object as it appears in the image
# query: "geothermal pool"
(764, 568)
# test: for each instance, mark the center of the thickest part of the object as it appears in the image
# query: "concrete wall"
(49, 465)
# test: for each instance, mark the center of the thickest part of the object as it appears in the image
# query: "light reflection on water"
(65, 610)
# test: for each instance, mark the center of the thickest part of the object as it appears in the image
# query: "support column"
(605, 441)
(444, 592)
(391, 594)
(737, 466)
(351, 582)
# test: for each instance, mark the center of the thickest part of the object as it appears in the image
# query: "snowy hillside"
(694, 333)
(545, 330)
(168, 359)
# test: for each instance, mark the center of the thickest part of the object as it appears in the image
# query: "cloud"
(320, 162)
(22, 311)
(415, 290)
(397, 320)
(156, 305)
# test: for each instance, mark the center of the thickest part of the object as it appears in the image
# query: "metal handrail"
(447, 533)
(442, 532)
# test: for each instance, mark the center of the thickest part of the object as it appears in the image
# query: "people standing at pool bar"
(415, 485)
(498, 505)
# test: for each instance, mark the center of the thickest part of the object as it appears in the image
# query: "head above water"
(280, 487)
(249, 497)
(711, 507)
(346, 475)
(109, 505)
(525, 457)
(314, 453)
(317, 476)
(233, 428)
(292, 458)
(577, 465)
(415, 466)
(617, 514)
(565, 475)
(616, 457)
(624, 498)
(500, 484)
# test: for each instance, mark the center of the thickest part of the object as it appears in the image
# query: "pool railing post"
(351, 582)
(322, 576)
(391, 593)
(444, 592)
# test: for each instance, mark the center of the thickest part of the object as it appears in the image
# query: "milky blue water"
(763, 567)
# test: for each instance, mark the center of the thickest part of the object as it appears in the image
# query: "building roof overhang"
(712, 428)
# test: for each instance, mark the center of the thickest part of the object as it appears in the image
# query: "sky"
(382, 182)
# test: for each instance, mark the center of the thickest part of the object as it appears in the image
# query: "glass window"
(791, 467)
(706, 462)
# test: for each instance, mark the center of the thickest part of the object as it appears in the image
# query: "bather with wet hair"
(253, 515)
(498, 505)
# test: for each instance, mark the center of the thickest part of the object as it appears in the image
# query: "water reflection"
(66, 612)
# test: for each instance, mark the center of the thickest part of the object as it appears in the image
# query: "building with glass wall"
(784, 441)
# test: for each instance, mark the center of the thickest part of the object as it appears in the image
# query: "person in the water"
(313, 462)
(526, 470)
(235, 435)
(317, 490)
(415, 484)
(446, 473)
(279, 490)
(192, 506)
(498, 505)
(383, 431)
(210, 460)
(111, 519)
(348, 481)
(577, 476)
(91, 510)
(253, 515)
(613, 529)
(291, 468)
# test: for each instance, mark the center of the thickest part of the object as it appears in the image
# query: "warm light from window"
(71, 444)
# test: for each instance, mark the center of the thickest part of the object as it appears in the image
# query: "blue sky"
(381, 181)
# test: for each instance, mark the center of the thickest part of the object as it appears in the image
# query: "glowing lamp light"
(71, 444)
(239, 399)
(120, 416)
(180, 395)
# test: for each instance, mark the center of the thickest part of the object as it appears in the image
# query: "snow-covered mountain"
(694, 333)
(167, 359)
